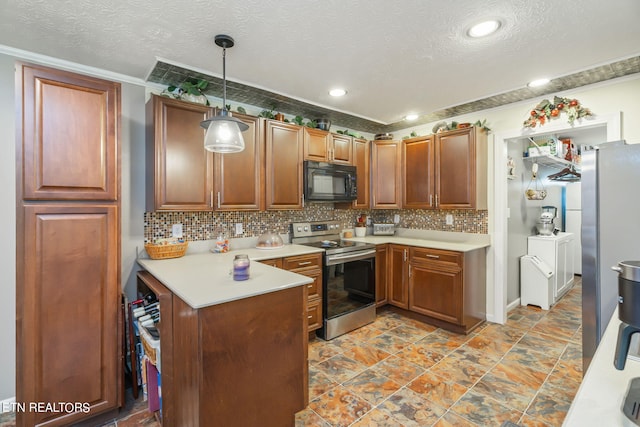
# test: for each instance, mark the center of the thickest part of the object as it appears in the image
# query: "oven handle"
(354, 256)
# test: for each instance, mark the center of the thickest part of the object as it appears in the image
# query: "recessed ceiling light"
(337, 92)
(538, 82)
(484, 28)
(410, 117)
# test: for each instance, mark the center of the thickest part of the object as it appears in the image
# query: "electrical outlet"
(176, 230)
(396, 219)
(449, 219)
(239, 229)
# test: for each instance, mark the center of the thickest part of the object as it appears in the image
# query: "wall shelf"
(551, 161)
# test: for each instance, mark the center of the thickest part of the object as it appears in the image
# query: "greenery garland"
(547, 110)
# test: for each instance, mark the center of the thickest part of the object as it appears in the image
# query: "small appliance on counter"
(629, 314)
(269, 241)
(545, 225)
(384, 229)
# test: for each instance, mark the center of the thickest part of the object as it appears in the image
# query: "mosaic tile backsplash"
(207, 225)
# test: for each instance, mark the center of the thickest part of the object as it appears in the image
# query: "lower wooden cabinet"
(446, 286)
(309, 265)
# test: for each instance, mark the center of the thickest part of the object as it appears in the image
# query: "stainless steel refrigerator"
(610, 232)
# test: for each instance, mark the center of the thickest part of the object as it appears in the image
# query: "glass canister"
(241, 267)
(222, 243)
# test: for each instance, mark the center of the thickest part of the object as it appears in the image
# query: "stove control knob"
(306, 228)
(299, 229)
(330, 226)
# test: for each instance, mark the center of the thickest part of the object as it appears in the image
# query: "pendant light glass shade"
(224, 132)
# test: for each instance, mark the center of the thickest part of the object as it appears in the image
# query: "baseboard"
(7, 405)
(514, 304)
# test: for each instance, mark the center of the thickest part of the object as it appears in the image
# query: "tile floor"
(401, 372)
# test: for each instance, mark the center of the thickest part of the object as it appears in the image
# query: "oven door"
(348, 292)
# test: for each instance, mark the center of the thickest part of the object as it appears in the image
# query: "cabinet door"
(361, 162)
(341, 149)
(386, 159)
(397, 276)
(283, 167)
(179, 169)
(238, 176)
(67, 323)
(417, 173)
(564, 273)
(316, 145)
(381, 275)
(455, 169)
(70, 127)
(435, 290)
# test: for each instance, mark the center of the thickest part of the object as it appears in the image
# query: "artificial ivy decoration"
(547, 110)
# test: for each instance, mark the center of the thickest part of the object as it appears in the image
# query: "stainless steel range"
(348, 277)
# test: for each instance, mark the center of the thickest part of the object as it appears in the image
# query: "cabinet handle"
(433, 256)
(302, 199)
(404, 254)
(436, 200)
(211, 203)
(218, 200)
(309, 286)
(409, 270)
(309, 317)
(304, 263)
(430, 199)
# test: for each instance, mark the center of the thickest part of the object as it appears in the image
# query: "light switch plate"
(449, 219)
(239, 229)
(176, 230)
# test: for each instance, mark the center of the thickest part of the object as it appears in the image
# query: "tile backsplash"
(206, 225)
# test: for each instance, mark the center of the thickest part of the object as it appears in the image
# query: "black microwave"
(326, 182)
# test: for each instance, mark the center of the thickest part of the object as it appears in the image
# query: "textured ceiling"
(392, 57)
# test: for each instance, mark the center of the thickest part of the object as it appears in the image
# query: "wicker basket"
(166, 251)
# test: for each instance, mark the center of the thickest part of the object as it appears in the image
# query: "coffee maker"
(629, 314)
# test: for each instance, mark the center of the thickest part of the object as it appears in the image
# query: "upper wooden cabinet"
(341, 149)
(238, 177)
(283, 166)
(179, 169)
(70, 126)
(461, 169)
(418, 172)
(322, 146)
(183, 176)
(386, 161)
(445, 171)
(361, 162)
(316, 144)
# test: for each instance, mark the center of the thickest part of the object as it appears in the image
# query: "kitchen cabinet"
(322, 146)
(238, 177)
(461, 169)
(243, 362)
(397, 275)
(311, 266)
(273, 262)
(386, 169)
(283, 167)
(558, 253)
(418, 172)
(68, 293)
(361, 161)
(381, 275)
(183, 176)
(447, 288)
(179, 171)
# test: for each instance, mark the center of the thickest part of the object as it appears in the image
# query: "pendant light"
(224, 132)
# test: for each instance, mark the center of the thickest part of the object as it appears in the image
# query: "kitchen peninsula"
(232, 352)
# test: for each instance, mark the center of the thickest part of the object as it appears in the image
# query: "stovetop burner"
(324, 235)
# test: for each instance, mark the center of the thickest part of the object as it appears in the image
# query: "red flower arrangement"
(547, 110)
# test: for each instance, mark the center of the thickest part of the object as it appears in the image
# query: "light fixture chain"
(224, 78)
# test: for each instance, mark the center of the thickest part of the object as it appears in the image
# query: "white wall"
(132, 202)
(8, 239)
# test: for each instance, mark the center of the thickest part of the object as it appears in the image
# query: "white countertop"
(203, 278)
(450, 241)
(602, 391)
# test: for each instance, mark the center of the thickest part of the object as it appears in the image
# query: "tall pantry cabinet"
(68, 247)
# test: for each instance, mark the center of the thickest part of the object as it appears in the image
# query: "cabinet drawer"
(314, 288)
(302, 262)
(436, 255)
(273, 262)
(314, 314)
